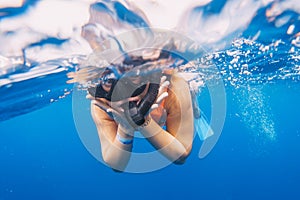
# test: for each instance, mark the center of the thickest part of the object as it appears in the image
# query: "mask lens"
(109, 79)
(108, 82)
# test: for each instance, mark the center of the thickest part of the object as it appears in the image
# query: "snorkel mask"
(121, 88)
(148, 69)
(116, 87)
(108, 81)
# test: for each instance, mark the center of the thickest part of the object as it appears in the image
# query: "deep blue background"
(43, 158)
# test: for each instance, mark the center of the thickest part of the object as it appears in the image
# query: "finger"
(112, 111)
(120, 110)
(163, 86)
(116, 112)
(154, 106)
(163, 79)
(161, 97)
(116, 115)
(117, 107)
(100, 104)
(88, 96)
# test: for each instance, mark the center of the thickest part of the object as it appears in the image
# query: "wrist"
(150, 128)
(125, 133)
(148, 119)
(123, 136)
(124, 140)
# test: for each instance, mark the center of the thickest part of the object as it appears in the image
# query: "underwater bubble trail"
(256, 114)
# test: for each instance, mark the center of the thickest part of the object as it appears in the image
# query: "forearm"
(115, 148)
(118, 153)
(163, 141)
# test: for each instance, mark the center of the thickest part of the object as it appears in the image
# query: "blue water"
(256, 156)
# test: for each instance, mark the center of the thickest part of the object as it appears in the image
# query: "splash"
(27, 87)
(251, 62)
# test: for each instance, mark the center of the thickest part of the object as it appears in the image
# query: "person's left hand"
(138, 111)
(162, 93)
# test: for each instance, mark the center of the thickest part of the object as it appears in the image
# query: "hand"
(121, 119)
(116, 112)
(137, 112)
(162, 94)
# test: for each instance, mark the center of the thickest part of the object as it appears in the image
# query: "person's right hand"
(122, 120)
(117, 113)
